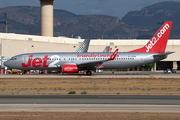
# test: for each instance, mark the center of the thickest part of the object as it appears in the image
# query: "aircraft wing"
(160, 54)
(97, 63)
(90, 64)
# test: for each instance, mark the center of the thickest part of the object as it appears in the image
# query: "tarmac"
(88, 108)
(139, 74)
(90, 103)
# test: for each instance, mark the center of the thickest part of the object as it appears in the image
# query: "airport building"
(13, 44)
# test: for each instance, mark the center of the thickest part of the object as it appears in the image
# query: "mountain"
(26, 20)
(145, 21)
(135, 24)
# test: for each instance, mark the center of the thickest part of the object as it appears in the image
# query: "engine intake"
(70, 69)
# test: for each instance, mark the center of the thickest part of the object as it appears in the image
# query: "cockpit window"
(13, 58)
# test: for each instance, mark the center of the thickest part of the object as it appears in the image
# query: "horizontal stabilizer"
(166, 53)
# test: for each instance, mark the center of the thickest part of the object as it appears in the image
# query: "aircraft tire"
(88, 72)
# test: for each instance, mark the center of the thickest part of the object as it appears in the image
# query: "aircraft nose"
(6, 63)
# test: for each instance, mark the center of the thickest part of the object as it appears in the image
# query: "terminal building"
(13, 44)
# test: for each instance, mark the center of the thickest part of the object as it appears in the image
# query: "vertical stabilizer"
(158, 42)
(106, 49)
(84, 46)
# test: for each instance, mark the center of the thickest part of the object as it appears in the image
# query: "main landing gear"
(88, 72)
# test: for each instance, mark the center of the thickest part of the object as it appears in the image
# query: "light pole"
(5, 23)
(2, 22)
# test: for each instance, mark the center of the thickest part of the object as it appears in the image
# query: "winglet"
(114, 55)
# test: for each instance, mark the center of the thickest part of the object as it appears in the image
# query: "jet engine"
(70, 69)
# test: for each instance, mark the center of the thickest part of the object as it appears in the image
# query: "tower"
(46, 17)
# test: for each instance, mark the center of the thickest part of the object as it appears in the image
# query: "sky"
(117, 8)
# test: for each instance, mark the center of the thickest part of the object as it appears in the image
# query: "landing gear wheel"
(88, 72)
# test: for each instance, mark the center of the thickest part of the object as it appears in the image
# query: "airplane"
(66, 62)
(107, 49)
(84, 46)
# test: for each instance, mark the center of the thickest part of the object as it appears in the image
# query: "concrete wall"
(14, 47)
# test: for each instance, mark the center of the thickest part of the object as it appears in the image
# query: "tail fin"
(106, 49)
(110, 50)
(84, 46)
(158, 42)
(114, 55)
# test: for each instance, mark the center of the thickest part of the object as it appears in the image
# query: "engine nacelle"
(70, 69)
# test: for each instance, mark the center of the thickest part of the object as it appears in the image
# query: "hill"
(145, 21)
(26, 20)
(135, 24)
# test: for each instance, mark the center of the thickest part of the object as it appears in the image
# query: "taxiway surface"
(89, 108)
(140, 74)
(90, 99)
(84, 103)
